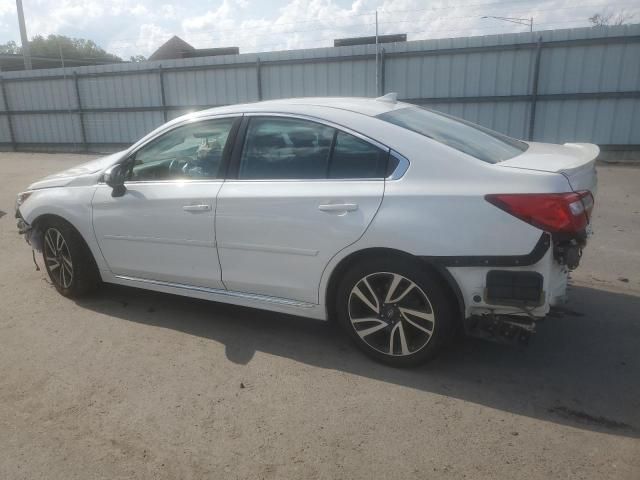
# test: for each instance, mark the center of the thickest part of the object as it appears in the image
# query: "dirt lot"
(130, 384)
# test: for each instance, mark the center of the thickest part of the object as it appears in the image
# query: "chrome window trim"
(321, 121)
(401, 168)
(175, 180)
(315, 180)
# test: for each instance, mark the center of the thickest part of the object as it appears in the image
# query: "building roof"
(175, 47)
(370, 40)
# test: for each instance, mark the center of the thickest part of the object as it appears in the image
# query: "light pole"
(519, 21)
(377, 59)
(26, 52)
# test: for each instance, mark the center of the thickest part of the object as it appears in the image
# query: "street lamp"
(519, 21)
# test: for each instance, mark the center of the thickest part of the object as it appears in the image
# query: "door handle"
(196, 208)
(338, 207)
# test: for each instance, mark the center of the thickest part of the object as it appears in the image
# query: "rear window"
(469, 138)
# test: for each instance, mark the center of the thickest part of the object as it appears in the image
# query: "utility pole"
(377, 59)
(519, 21)
(26, 52)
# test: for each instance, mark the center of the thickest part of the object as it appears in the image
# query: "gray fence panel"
(598, 68)
(50, 128)
(608, 121)
(588, 87)
(120, 127)
(354, 78)
(5, 137)
(3, 107)
(113, 92)
(477, 74)
(41, 95)
(211, 87)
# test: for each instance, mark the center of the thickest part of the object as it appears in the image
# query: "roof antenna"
(391, 97)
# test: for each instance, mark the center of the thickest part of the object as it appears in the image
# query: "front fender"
(72, 204)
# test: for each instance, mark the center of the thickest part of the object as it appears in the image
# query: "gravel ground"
(133, 384)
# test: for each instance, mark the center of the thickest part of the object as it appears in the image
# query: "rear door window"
(355, 158)
(285, 148)
(290, 148)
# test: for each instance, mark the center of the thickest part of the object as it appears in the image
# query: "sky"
(138, 27)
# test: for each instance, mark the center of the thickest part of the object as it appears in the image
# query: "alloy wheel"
(58, 258)
(391, 314)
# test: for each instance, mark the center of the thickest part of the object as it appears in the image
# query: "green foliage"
(9, 47)
(138, 58)
(70, 47)
(54, 45)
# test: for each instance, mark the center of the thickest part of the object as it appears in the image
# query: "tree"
(609, 18)
(9, 47)
(54, 46)
(137, 58)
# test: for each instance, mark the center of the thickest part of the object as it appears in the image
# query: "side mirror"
(114, 177)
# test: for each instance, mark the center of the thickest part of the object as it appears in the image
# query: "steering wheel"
(179, 164)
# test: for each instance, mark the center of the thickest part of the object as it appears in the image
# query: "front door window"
(192, 151)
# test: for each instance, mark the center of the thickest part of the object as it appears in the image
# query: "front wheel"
(68, 260)
(395, 311)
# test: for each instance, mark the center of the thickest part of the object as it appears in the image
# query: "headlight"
(22, 197)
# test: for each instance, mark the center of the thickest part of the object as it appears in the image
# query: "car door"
(298, 192)
(163, 227)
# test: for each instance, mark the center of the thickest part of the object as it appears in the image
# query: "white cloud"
(128, 27)
(150, 37)
(167, 11)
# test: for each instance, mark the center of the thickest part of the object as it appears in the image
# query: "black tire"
(76, 273)
(384, 344)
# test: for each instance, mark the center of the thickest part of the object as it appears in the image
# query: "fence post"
(534, 90)
(382, 73)
(83, 133)
(163, 98)
(259, 78)
(7, 110)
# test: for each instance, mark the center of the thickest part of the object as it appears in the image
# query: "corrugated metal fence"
(555, 86)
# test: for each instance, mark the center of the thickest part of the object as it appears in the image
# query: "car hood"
(82, 174)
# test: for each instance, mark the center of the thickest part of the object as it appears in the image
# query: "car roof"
(363, 105)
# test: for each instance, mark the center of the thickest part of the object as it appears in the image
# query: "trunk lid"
(576, 161)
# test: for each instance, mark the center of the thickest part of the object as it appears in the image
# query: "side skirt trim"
(216, 291)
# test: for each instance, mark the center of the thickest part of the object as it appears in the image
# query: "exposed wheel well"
(451, 286)
(36, 228)
(37, 233)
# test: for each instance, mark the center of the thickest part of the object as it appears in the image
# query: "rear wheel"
(68, 260)
(395, 312)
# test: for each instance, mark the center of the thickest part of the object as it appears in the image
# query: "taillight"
(552, 212)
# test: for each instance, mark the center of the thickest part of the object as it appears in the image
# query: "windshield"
(469, 138)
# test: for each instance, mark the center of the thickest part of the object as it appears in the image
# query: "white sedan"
(402, 223)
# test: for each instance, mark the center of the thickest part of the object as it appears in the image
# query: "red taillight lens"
(552, 212)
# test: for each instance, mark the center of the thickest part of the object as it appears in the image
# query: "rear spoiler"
(588, 151)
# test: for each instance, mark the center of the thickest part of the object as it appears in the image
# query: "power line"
(219, 33)
(249, 37)
(211, 36)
